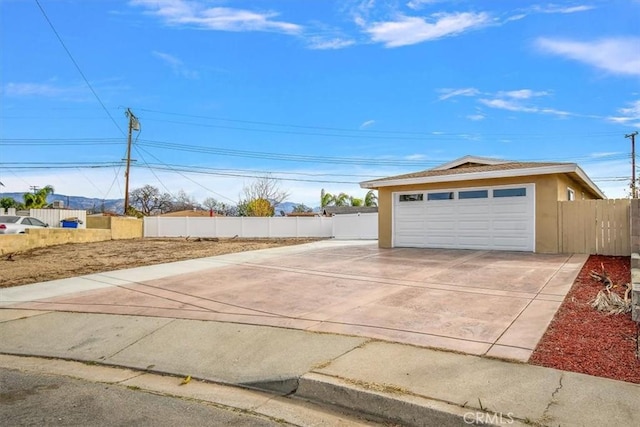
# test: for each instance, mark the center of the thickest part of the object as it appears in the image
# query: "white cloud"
(605, 154)
(554, 8)
(320, 43)
(408, 30)
(510, 100)
(78, 93)
(190, 12)
(367, 124)
(33, 89)
(504, 104)
(615, 55)
(547, 9)
(420, 4)
(627, 114)
(516, 105)
(521, 94)
(450, 93)
(176, 65)
(476, 117)
(516, 17)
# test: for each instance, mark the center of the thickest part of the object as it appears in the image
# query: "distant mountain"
(79, 202)
(287, 207)
(116, 205)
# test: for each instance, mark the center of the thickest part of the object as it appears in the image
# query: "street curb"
(373, 401)
(238, 398)
(398, 406)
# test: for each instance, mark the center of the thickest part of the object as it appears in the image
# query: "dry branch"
(607, 301)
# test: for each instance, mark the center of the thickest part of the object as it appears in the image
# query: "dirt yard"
(62, 261)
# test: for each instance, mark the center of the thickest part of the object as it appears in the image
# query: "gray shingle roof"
(471, 168)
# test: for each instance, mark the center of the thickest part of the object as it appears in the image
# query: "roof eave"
(503, 173)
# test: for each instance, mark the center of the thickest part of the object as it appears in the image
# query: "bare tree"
(219, 207)
(184, 202)
(264, 188)
(210, 203)
(149, 200)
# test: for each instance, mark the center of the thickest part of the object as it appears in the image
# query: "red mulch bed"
(581, 339)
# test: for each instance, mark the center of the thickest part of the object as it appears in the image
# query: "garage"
(496, 218)
(479, 203)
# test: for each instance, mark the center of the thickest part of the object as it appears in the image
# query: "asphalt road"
(30, 399)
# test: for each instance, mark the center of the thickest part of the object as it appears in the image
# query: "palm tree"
(370, 199)
(341, 199)
(355, 201)
(37, 199)
(326, 199)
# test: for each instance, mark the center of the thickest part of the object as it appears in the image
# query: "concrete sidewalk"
(402, 383)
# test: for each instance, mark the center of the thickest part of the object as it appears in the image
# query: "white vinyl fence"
(348, 227)
(53, 217)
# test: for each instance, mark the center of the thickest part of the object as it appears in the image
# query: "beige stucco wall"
(102, 222)
(121, 228)
(582, 192)
(38, 238)
(549, 189)
(126, 228)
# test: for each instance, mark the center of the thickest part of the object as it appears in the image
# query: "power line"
(195, 182)
(281, 156)
(84, 77)
(75, 63)
(153, 172)
(237, 173)
(188, 169)
(338, 129)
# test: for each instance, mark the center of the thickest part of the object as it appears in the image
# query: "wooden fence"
(599, 227)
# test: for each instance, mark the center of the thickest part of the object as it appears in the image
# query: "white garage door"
(498, 218)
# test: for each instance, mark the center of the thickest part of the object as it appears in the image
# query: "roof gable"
(469, 161)
(475, 168)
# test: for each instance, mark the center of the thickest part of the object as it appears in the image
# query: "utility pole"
(634, 191)
(34, 188)
(134, 124)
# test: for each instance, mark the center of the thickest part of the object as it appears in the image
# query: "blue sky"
(320, 94)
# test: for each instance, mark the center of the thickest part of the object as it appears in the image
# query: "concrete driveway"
(479, 302)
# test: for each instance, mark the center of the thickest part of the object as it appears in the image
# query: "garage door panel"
(482, 223)
(442, 211)
(440, 242)
(411, 225)
(508, 243)
(473, 208)
(476, 241)
(509, 226)
(510, 209)
(411, 241)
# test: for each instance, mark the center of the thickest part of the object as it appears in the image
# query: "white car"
(10, 224)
